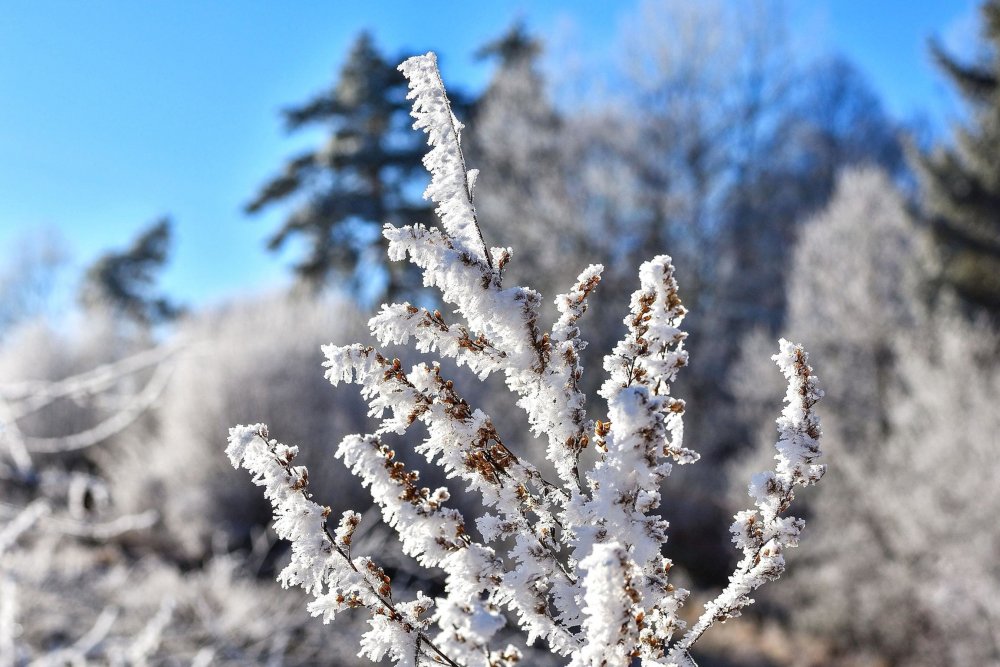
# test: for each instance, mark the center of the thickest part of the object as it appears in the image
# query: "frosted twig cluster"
(576, 561)
(98, 386)
(67, 502)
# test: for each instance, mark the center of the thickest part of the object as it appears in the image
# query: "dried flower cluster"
(576, 561)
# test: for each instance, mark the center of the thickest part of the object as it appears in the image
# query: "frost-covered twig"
(644, 428)
(13, 441)
(763, 534)
(465, 443)
(321, 563)
(21, 523)
(77, 653)
(451, 185)
(117, 422)
(104, 530)
(32, 395)
(149, 638)
(8, 620)
(102, 626)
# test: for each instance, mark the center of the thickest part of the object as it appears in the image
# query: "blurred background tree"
(722, 142)
(124, 281)
(523, 148)
(28, 277)
(961, 183)
(367, 173)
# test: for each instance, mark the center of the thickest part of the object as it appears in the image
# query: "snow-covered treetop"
(577, 561)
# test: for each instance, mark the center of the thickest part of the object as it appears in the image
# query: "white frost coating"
(395, 324)
(349, 521)
(645, 427)
(798, 425)
(508, 338)
(762, 534)
(451, 183)
(240, 437)
(610, 606)
(317, 564)
(434, 535)
(465, 444)
(584, 566)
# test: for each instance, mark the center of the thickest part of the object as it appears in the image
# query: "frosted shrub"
(904, 564)
(58, 526)
(66, 602)
(852, 298)
(86, 575)
(242, 362)
(54, 414)
(575, 560)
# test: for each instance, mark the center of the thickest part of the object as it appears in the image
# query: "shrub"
(576, 560)
(239, 361)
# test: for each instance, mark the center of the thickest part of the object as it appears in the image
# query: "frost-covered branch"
(77, 652)
(578, 561)
(763, 534)
(104, 530)
(8, 620)
(13, 441)
(22, 522)
(451, 186)
(116, 423)
(146, 643)
(465, 443)
(644, 428)
(33, 395)
(22, 399)
(321, 563)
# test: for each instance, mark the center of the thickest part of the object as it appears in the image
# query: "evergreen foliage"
(123, 281)
(962, 183)
(361, 178)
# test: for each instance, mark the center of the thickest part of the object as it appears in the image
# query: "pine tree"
(360, 179)
(122, 281)
(961, 184)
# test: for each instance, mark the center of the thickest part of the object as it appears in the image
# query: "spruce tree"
(361, 178)
(961, 184)
(122, 281)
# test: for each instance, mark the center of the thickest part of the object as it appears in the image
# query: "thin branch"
(332, 543)
(34, 394)
(111, 426)
(465, 172)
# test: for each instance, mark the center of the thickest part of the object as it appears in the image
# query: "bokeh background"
(190, 203)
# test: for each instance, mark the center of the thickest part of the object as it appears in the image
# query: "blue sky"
(115, 113)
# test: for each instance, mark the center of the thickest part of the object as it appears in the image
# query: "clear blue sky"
(115, 113)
